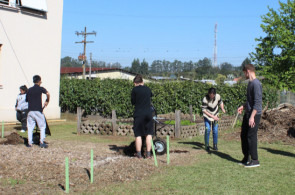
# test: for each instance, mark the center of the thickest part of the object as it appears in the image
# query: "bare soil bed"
(276, 125)
(42, 171)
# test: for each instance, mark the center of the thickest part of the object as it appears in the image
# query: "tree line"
(202, 69)
(72, 62)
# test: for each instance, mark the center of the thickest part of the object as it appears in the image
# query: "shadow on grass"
(280, 152)
(198, 146)
(225, 156)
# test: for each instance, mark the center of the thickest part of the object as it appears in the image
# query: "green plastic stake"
(194, 117)
(154, 153)
(2, 129)
(168, 154)
(67, 176)
(91, 164)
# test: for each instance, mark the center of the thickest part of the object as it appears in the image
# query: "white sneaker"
(23, 131)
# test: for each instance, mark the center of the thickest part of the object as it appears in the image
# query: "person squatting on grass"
(251, 119)
(34, 99)
(21, 107)
(210, 113)
(143, 120)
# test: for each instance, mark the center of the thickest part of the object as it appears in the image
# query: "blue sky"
(162, 29)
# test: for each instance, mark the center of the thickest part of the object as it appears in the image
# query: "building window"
(39, 5)
(11, 3)
(6, 2)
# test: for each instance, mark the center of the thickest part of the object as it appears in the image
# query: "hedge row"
(101, 96)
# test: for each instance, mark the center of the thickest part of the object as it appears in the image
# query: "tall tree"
(204, 67)
(135, 66)
(275, 53)
(156, 66)
(116, 65)
(226, 68)
(70, 62)
(166, 65)
(188, 66)
(246, 61)
(144, 67)
(99, 64)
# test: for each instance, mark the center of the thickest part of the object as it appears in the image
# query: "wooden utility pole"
(85, 42)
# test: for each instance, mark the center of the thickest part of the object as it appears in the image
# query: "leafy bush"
(182, 122)
(102, 96)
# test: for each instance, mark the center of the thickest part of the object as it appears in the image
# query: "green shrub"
(102, 96)
(183, 122)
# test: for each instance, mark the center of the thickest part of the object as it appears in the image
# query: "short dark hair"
(24, 88)
(36, 79)
(138, 79)
(250, 67)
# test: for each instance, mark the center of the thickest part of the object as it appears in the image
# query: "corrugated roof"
(68, 70)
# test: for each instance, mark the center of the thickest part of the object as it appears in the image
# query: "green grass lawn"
(215, 173)
(219, 173)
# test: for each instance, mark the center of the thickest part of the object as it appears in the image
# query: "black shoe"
(215, 147)
(148, 155)
(43, 145)
(207, 148)
(138, 155)
(245, 161)
(252, 163)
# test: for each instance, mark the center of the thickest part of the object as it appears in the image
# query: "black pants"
(249, 137)
(21, 116)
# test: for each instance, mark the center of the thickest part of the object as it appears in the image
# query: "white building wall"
(30, 45)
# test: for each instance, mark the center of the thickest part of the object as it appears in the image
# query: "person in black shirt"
(34, 99)
(251, 119)
(143, 120)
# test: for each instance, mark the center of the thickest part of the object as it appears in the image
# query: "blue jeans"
(208, 129)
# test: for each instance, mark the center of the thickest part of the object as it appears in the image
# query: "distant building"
(208, 81)
(102, 73)
(30, 44)
(230, 82)
(159, 78)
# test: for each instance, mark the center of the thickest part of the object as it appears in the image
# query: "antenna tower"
(215, 46)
